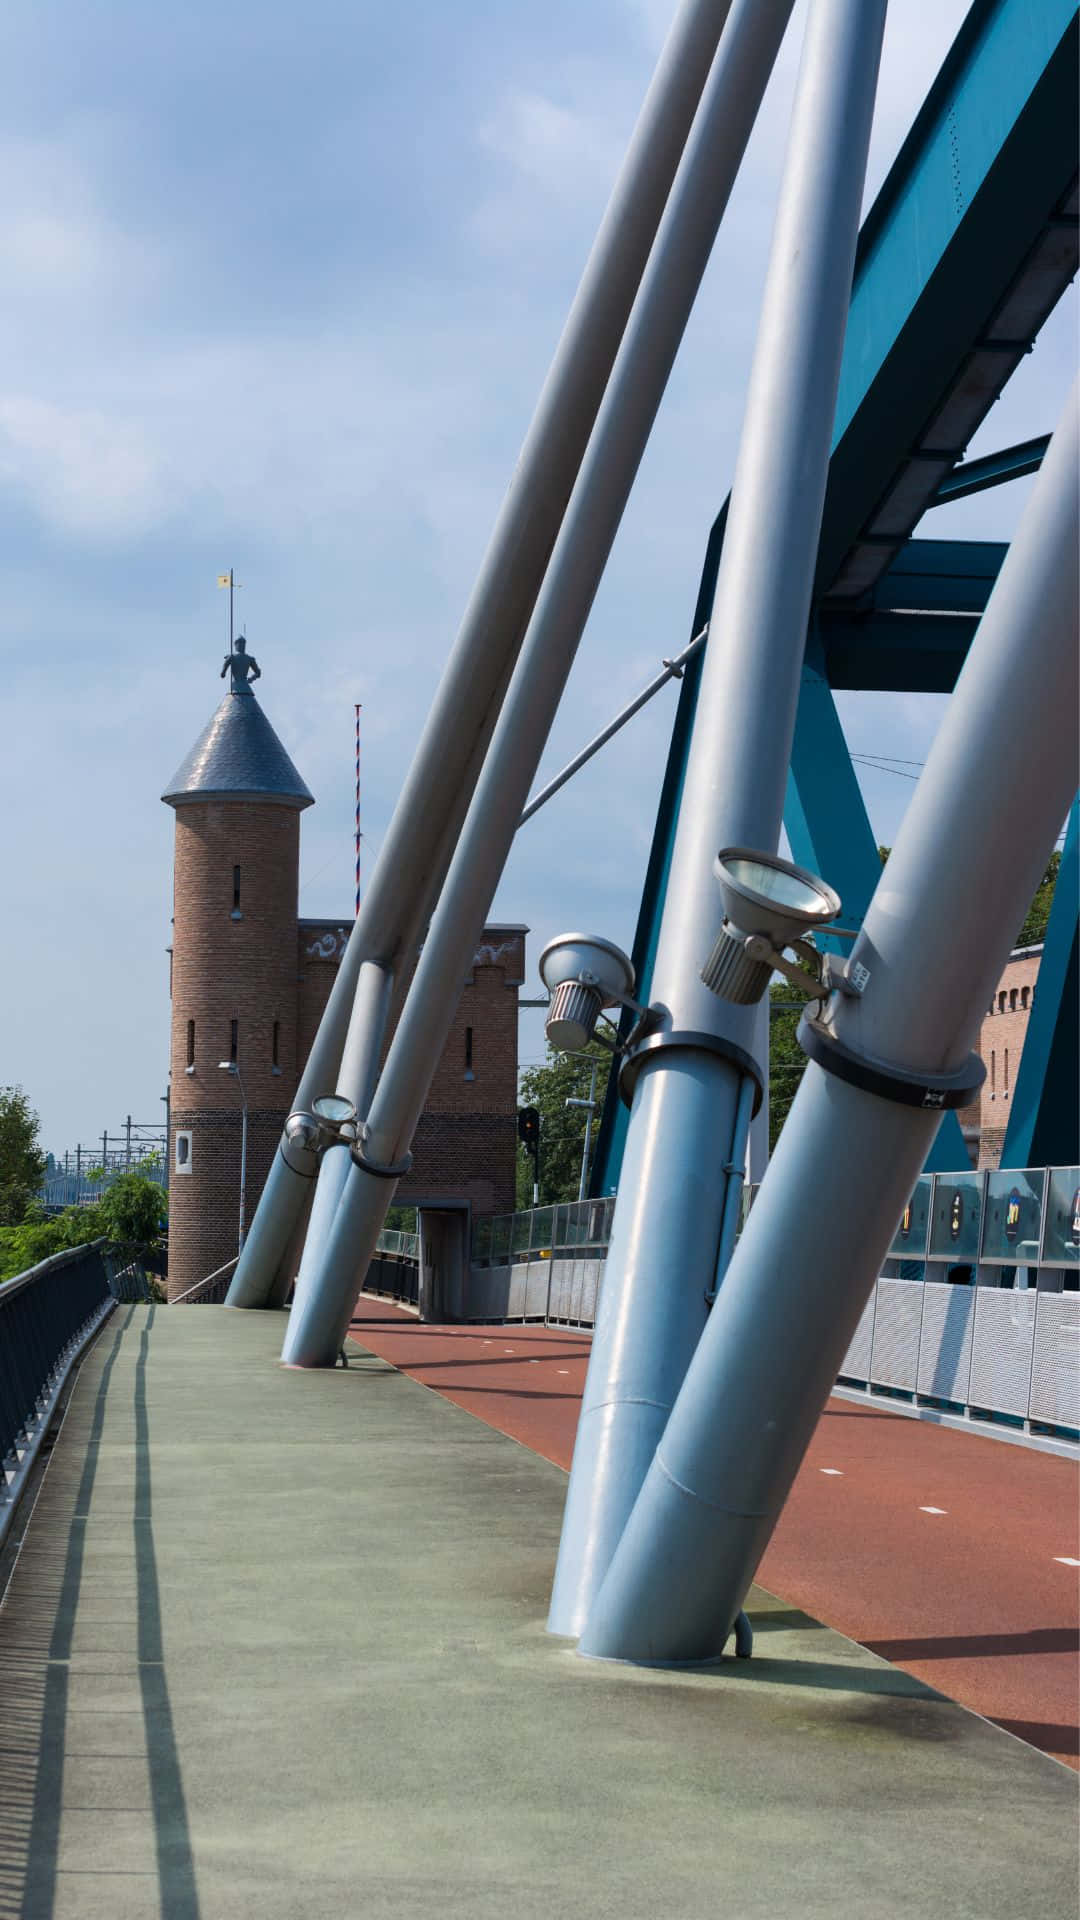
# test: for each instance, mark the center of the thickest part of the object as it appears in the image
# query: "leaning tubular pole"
(420, 840)
(661, 1265)
(743, 63)
(965, 863)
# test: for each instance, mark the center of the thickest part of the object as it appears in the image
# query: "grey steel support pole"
(736, 85)
(356, 1081)
(661, 1264)
(420, 840)
(963, 868)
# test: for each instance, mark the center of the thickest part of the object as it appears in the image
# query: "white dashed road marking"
(933, 1510)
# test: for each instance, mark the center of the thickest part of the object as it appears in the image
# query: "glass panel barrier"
(1061, 1231)
(481, 1242)
(956, 1216)
(521, 1226)
(909, 1240)
(500, 1238)
(543, 1220)
(1012, 1223)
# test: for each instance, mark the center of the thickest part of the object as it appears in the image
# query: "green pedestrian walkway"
(274, 1646)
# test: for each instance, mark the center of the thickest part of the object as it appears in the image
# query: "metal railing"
(394, 1272)
(1006, 1349)
(991, 1354)
(209, 1292)
(406, 1245)
(46, 1316)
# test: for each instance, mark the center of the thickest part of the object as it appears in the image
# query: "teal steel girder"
(992, 470)
(830, 833)
(968, 246)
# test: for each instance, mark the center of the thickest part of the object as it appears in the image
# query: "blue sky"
(282, 288)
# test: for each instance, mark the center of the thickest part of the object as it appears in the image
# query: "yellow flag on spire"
(223, 579)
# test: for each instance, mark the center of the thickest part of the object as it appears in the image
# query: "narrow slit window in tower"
(236, 886)
(234, 1040)
(993, 1073)
(469, 1074)
(191, 1043)
(276, 1043)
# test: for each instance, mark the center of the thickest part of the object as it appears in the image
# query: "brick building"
(249, 980)
(1001, 1042)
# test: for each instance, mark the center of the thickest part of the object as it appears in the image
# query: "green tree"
(22, 1162)
(564, 1076)
(129, 1215)
(786, 1058)
(1034, 927)
(133, 1209)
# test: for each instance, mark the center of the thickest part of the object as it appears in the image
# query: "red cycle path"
(944, 1551)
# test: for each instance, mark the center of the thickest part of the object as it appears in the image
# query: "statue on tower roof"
(244, 666)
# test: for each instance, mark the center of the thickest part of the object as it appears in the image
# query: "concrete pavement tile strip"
(274, 1646)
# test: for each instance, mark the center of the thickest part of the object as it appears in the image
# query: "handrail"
(201, 1286)
(8, 1288)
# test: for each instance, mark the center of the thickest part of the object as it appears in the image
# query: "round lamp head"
(770, 903)
(583, 973)
(764, 894)
(333, 1110)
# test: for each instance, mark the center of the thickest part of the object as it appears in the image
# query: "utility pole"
(590, 1109)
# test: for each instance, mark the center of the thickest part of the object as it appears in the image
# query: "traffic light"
(529, 1129)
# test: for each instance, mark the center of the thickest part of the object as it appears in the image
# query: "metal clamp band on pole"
(395, 1172)
(936, 1091)
(300, 1172)
(697, 1042)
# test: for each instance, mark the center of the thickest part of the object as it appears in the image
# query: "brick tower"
(238, 800)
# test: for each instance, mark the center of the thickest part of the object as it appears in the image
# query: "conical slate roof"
(237, 753)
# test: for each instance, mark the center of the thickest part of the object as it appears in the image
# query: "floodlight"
(333, 1110)
(769, 904)
(583, 973)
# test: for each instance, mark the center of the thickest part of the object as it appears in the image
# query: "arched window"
(1012, 1000)
(1001, 1002)
(1025, 993)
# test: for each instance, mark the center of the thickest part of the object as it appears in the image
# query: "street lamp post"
(230, 1066)
(590, 1109)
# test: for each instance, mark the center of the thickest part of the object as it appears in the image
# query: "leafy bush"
(130, 1216)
